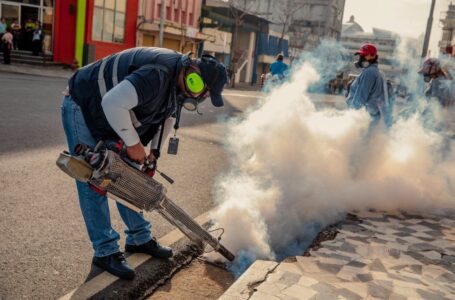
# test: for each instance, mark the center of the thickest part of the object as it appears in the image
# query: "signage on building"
(218, 41)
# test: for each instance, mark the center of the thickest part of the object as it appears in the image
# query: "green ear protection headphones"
(192, 83)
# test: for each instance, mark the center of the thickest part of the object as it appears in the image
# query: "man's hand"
(136, 153)
(151, 157)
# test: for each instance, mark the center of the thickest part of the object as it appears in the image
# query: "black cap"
(215, 77)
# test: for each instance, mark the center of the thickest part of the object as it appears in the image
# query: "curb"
(150, 275)
(150, 272)
(245, 285)
(33, 72)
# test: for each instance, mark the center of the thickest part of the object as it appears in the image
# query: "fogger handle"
(169, 179)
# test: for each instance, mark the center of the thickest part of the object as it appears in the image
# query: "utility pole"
(163, 6)
(426, 42)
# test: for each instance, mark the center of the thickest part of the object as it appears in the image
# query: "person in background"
(278, 68)
(37, 40)
(30, 27)
(75, 65)
(7, 45)
(230, 73)
(16, 31)
(2, 27)
(438, 82)
(369, 90)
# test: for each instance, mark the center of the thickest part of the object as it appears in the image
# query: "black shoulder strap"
(158, 149)
(160, 140)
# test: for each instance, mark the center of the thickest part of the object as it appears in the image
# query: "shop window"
(109, 21)
(48, 17)
(33, 2)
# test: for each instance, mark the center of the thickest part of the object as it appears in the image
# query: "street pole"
(163, 6)
(426, 42)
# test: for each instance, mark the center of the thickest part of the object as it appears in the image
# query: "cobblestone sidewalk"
(377, 256)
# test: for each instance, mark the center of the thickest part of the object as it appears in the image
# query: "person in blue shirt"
(2, 27)
(278, 68)
(369, 90)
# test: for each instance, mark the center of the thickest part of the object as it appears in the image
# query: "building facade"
(218, 43)
(78, 30)
(315, 20)
(109, 27)
(255, 44)
(446, 44)
(24, 11)
(181, 24)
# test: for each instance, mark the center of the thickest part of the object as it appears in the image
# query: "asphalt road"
(45, 251)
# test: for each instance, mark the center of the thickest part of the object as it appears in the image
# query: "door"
(148, 40)
(171, 44)
(29, 15)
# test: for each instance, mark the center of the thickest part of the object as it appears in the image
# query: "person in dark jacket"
(134, 96)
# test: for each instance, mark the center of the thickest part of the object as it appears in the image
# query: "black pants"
(16, 39)
(36, 47)
(6, 53)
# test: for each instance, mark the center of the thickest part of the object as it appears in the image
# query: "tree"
(239, 9)
(289, 9)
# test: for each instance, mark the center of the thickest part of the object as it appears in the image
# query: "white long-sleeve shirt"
(117, 106)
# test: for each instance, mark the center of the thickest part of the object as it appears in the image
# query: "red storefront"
(100, 40)
(92, 29)
(65, 31)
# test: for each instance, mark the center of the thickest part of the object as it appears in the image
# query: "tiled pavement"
(378, 256)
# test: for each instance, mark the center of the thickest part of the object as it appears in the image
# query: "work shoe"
(115, 264)
(152, 248)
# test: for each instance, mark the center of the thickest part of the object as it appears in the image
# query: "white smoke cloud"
(296, 169)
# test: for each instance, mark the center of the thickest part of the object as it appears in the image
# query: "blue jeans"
(95, 208)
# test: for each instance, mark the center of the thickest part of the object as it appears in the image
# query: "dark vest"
(87, 90)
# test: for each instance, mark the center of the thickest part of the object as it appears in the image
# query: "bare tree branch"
(291, 8)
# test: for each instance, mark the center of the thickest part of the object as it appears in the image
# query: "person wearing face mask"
(438, 82)
(369, 90)
(135, 96)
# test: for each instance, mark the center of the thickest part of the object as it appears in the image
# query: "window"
(33, 2)
(176, 15)
(109, 21)
(168, 13)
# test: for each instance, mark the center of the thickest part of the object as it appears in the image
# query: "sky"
(405, 17)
